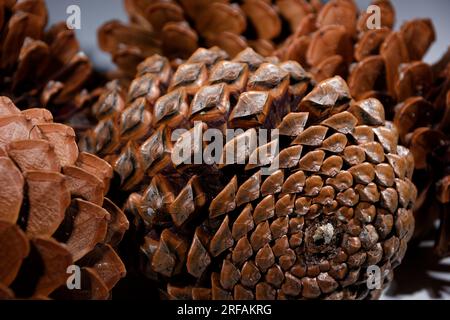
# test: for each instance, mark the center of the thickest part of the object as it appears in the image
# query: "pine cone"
(380, 63)
(53, 213)
(41, 67)
(424, 126)
(215, 85)
(386, 64)
(176, 28)
(340, 202)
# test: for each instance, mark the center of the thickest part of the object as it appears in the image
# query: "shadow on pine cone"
(340, 201)
(53, 213)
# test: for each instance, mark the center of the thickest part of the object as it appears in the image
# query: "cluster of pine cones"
(359, 167)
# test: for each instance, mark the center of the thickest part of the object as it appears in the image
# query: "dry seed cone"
(387, 64)
(340, 202)
(176, 28)
(135, 131)
(424, 127)
(38, 66)
(340, 182)
(328, 40)
(53, 213)
(379, 62)
(389, 67)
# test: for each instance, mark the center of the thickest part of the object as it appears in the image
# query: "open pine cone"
(378, 62)
(40, 67)
(176, 28)
(341, 200)
(53, 213)
(335, 39)
(324, 38)
(424, 126)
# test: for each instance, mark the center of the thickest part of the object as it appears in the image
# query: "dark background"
(421, 276)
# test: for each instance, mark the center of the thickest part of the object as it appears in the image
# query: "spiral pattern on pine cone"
(341, 172)
(341, 202)
(383, 63)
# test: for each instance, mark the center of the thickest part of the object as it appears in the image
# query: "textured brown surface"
(381, 63)
(324, 38)
(424, 126)
(53, 212)
(309, 230)
(176, 28)
(386, 64)
(134, 131)
(341, 200)
(40, 66)
(227, 230)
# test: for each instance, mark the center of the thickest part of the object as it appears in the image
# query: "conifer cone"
(38, 66)
(340, 202)
(176, 28)
(378, 62)
(53, 213)
(387, 65)
(327, 39)
(424, 126)
(134, 131)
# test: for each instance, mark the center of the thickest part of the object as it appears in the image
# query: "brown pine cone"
(135, 135)
(340, 202)
(40, 67)
(386, 64)
(53, 213)
(342, 177)
(424, 126)
(380, 63)
(176, 28)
